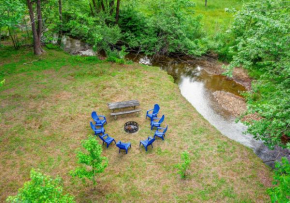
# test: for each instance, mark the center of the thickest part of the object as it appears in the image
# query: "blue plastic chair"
(99, 122)
(147, 142)
(124, 146)
(107, 139)
(97, 130)
(159, 133)
(154, 113)
(157, 123)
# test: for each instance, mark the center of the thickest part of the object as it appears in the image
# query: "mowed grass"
(45, 113)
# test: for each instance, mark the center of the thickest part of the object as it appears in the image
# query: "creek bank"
(202, 77)
(214, 67)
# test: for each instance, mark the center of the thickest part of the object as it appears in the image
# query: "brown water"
(198, 86)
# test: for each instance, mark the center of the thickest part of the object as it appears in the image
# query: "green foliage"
(93, 30)
(2, 83)
(184, 165)
(168, 28)
(11, 15)
(117, 56)
(281, 191)
(92, 160)
(262, 30)
(41, 188)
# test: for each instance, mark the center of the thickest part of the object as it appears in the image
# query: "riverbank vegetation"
(46, 104)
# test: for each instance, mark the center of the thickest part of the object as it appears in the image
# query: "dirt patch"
(214, 67)
(241, 76)
(234, 104)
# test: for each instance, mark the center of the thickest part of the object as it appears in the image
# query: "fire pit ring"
(131, 127)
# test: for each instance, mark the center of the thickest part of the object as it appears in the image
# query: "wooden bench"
(124, 104)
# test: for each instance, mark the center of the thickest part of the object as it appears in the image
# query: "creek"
(198, 85)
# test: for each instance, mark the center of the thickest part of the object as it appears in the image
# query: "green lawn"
(45, 112)
(215, 19)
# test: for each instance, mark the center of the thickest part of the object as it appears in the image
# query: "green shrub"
(41, 188)
(281, 191)
(261, 30)
(184, 165)
(91, 160)
(168, 28)
(2, 83)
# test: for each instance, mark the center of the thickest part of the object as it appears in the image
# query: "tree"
(36, 29)
(11, 15)
(118, 11)
(41, 188)
(205, 3)
(60, 19)
(184, 165)
(281, 191)
(261, 30)
(92, 160)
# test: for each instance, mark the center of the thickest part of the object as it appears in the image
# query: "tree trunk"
(205, 3)
(60, 19)
(117, 11)
(92, 12)
(95, 6)
(39, 22)
(103, 6)
(36, 38)
(111, 5)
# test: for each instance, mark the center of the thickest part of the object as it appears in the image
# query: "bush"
(184, 165)
(281, 191)
(41, 188)
(2, 83)
(168, 28)
(93, 162)
(262, 30)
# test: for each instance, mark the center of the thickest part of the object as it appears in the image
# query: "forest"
(47, 96)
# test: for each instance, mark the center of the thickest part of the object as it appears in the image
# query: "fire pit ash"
(131, 127)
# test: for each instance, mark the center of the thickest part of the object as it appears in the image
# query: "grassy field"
(215, 18)
(45, 112)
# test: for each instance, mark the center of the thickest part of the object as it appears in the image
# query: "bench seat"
(124, 112)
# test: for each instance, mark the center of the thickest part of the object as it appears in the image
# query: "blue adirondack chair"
(97, 130)
(157, 123)
(147, 142)
(123, 145)
(159, 133)
(99, 122)
(107, 139)
(154, 113)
